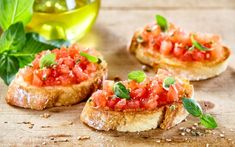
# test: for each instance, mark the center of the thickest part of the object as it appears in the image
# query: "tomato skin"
(166, 47)
(172, 94)
(28, 76)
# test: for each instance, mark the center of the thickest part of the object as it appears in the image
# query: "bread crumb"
(45, 115)
(44, 143)
(83, 137)
(207, 145)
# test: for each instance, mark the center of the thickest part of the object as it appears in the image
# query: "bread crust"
(24, 95)
(164, 117)
(192, 71)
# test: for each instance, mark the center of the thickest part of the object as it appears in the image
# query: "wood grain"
(116, 23)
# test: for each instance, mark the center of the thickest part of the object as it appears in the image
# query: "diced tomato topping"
(147, 95)
(176, 42)
(69, 68)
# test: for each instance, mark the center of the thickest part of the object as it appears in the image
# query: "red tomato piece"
(112, 102)
(166, 47)
(100, 98)
(133, 104)
(121, 104)
(178, 51)
(198, 56)
(172, 94)
(36, 80)
(139, 93)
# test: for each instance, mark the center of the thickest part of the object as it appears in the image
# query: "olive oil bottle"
(63, 19)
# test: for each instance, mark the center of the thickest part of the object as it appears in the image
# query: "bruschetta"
(195, 56)
(134, 106)
(59, 77)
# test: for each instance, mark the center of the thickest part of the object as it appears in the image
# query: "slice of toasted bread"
(22, 94)
(164, 117)
(192, 71)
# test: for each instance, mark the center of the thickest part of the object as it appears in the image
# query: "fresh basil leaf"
(13, 38)
(34, 44)
(137, 76)
(168, 82)
(59, 42)
(162, 22)
(8, 68)
(208, 121)
(192, 107)
(47, 60)
(13, 11)
(91, 58)
(121, 91)
(198, 45)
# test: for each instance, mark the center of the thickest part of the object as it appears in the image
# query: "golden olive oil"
(63, 19)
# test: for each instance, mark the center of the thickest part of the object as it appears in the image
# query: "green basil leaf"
(137, 76)
(208, 121)
(168, 82)
(9, 66)
(91, 58)
(13, 11)
(47, 60)
(13, 38)
(192, 107)
(162, 22)
(34, 44)
(121, 91)
(198, 45)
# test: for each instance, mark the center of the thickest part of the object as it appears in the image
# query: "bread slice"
(22, 94)
(164, 117)
(192, 71)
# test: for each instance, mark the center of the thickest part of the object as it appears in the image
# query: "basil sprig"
(91, 58)
(137, 76)
(197, 45)
(121, 91)
(162, 22)
(168, 82)
(47, 60)
(194, 109)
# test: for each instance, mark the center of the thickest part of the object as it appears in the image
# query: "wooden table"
(114, 27)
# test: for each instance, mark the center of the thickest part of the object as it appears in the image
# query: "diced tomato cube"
(121, 104)
(178, 51)
(100, 98)
(198, 56)
(36, 80)
(139, 93)
(133, 104)
(172, 94)
(150, 103)
(187, 56)
(166, 47)
(112, 102)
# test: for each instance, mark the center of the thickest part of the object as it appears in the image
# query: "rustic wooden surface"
(116, 23)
